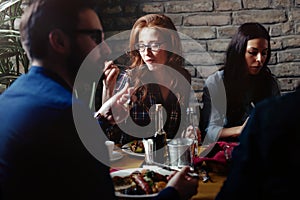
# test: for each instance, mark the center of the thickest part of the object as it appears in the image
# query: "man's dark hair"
(43, 16)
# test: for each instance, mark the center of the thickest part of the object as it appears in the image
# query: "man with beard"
(41, 153)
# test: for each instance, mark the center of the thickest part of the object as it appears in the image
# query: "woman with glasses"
(232, 92)
(157, 76)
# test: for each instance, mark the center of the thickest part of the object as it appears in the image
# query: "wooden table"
(206, 191)
(209, 190)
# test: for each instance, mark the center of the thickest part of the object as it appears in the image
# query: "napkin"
(111, 170)
(217, 153)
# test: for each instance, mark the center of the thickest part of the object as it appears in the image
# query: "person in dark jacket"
(265, 165)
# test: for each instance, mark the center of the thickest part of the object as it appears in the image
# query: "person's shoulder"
(285, 103)
(217, 74)
(215, 77)
(34, 90)
(290, 96)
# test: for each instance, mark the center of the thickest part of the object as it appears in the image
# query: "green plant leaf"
(10, 43)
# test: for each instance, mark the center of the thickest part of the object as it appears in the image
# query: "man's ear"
(59, 41)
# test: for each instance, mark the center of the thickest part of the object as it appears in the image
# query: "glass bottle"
(190, 130)
(160, 153)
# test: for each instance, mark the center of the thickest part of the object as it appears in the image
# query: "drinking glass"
(180, 152)
(123, 77)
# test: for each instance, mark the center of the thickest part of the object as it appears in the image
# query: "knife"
(170, 168)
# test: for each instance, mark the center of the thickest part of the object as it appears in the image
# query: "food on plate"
(122, 183)
(137, 146)
(141, 182)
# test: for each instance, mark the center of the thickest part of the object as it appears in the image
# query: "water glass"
(180, 152)
(110, 147)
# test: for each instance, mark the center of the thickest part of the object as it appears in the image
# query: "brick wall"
(210, 25)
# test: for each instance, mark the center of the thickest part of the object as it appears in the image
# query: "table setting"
(134, 148)
(161, 156)
(134, 182)
(210, 180)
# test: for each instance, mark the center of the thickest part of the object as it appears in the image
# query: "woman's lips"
(149, 61)
(254, 69)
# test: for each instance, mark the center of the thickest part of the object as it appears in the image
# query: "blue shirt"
(41, 154)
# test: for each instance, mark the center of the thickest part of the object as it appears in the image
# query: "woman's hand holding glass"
(114, 109)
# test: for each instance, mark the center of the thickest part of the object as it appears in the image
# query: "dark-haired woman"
(244, 80)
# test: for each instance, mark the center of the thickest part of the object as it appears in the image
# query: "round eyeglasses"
(154, 46)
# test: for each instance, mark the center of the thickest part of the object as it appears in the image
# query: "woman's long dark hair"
(237, 80)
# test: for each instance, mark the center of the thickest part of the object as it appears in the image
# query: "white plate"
(127, 172)
(126, 149)
(116, 156)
